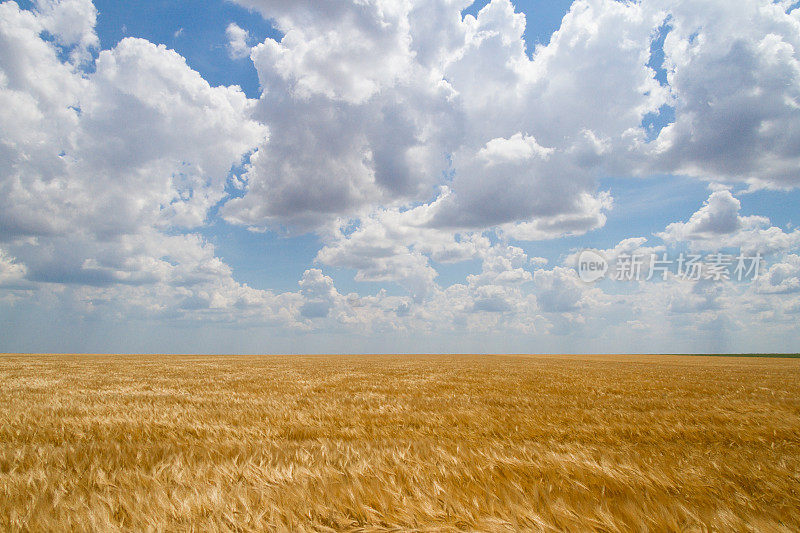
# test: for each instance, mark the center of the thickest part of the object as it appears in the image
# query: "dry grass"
(399, 443)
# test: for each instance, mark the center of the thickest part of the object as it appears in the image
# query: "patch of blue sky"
(262, 260)
(543, 17)
(452, 273)
(791, 7)
(196, 30)
(653, 123)
(779, 206)
(657, 52)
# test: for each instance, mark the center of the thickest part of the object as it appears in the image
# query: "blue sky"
(196, 30)
(253, 176)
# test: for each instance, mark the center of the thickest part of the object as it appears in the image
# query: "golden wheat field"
(397, 443)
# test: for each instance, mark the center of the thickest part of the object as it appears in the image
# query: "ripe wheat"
(382, 443)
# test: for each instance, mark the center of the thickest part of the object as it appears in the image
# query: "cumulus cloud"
(11, 272)
(101, 164)
(500, 287)
(560, 291)
(782, 277)
(71, 23)
(718, 216)
(123, 147)
(319, 293)
(588, 214)
(380, 131)
(238, 38)
(718, 224)
(378, 127)
(345, 51)
(398, 245)
(733, 72)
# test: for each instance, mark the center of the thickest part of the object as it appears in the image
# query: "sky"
(399, 176)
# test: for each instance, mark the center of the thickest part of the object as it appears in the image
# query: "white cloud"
(124, 147)
(238, 39)
(319, 294)
(394, 245)
(376, 132)
(71, 23)
(588, 214)
(516, 148)
(11, 272)
(409, 269)
(718, 216)
(100, 164)
(734, 74)
(718, 224)
(560, 291)
(345, 51)
(783, 277)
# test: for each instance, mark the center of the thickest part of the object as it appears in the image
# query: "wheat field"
(398, 443)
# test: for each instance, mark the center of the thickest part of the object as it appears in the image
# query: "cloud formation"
(718, 224)
(733, 73)
(384, 115)
(238, 37)
(389, 125)
(101, 166)
(408, 138)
